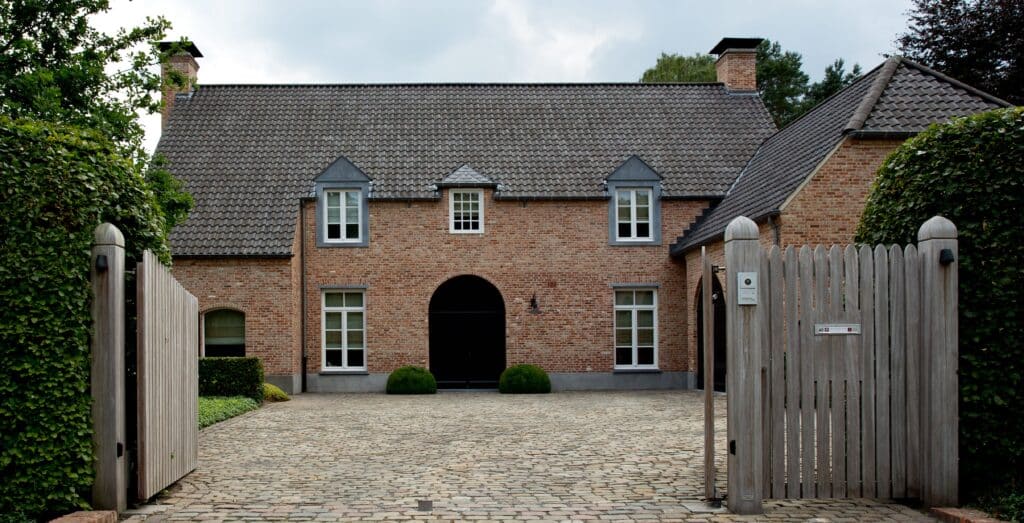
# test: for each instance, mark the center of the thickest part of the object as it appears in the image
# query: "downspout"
(776, 234)
(302, 285)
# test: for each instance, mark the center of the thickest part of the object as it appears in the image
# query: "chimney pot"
(737, 63)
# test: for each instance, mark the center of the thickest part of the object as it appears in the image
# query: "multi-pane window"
(636, 328)
(343, 210)
(633, 214)
(466, 210)
(344, 330)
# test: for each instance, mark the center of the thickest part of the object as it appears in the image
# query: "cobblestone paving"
(624, 456)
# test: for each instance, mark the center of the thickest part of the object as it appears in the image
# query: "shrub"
(231, 377)
(57, 183)
(273, 393)
(970, 171)
(214, 409)
(411, 380)
(524, 379)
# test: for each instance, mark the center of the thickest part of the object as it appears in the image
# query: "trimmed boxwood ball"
(524, 379)
(411, 380)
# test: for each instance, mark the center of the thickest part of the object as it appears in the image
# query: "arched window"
(224, 333)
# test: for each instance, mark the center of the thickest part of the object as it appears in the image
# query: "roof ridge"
(885, 74)
(953, 81)
(470, 84)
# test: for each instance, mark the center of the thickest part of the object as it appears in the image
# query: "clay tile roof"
(247, 153)
(898, 98)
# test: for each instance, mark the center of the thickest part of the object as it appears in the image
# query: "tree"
(836, 78)
(678, 68)
(970, 171)
(55, 67)
(979, 42)
(780, 81)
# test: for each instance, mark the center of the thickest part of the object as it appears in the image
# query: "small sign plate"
(836, 329)
(746, 288)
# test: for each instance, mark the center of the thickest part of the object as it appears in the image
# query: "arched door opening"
(467, 333)
(718, 305)
(223, 333)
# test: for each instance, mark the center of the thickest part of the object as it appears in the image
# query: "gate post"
(109, 489)
(744, 317)
(937, 245)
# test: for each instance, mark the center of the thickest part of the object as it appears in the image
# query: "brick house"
(342, 231)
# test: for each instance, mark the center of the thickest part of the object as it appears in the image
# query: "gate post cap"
(936, 228)
(107, 234)
(741, 228)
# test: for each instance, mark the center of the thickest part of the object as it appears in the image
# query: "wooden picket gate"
(841, 369)
(145, 431)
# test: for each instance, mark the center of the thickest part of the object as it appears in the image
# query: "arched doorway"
(718, 304)
(467, 333)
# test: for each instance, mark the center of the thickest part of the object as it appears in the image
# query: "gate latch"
(732, 447)
(120, 449)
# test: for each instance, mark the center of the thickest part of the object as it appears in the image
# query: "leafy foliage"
(214, 409)
(273, 393)
(57, 183)
(979, 42)
(231, 377)
(781, 81)
(1004, 504)
(524, 379)
(972, 172)
(836, 78)
(411, 380)
(55, 67)
(678, 68)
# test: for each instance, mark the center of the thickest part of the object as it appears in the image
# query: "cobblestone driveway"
(476, 456)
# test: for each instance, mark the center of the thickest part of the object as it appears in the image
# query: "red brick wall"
(263, 290)
(738, 70)
(557, 250)
(827, 209)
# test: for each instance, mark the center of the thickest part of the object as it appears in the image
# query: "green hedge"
(411, 380)
(214, 409)
(57, 183)
(231, 377)
(524, 379)
(274, 394)
(972, 172)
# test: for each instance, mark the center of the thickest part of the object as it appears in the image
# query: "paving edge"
(962, 515)
(88, 516)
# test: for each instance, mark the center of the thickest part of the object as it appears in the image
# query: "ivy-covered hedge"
(231, 377)
(972, 172)
(57, 184)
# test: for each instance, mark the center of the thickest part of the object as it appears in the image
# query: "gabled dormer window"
(466, 199)
(634, 209)
(342, 213)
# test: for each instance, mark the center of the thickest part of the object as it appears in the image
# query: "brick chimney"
(737, 61)
(182, 62)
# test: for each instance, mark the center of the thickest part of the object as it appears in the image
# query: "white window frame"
(344, 331)
(344, 224)
(451, 210)
(632, 214)
(633, 309)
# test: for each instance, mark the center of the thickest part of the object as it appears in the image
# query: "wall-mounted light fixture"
(534, 304)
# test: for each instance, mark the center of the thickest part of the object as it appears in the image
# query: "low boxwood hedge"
(411, 380)
(231, 377)
(524, 379)
(214, 409)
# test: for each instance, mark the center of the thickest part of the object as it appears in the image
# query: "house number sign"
(836, 329)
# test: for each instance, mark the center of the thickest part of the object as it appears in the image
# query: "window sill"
(341, 372)
(636, 371)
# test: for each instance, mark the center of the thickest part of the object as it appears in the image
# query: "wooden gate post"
(937, 244)
(109, 489)
(745, 315)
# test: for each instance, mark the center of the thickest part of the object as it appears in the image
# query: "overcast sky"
(296, 41)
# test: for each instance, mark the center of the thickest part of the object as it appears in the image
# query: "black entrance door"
(718, 304)
(467, 333)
